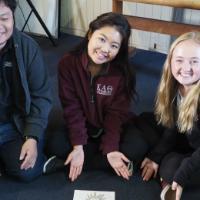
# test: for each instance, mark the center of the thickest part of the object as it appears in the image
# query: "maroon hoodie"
(101, 101)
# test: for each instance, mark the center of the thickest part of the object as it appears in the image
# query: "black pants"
(152, 132)
(171, 163)
(131, 144)
(149, 130)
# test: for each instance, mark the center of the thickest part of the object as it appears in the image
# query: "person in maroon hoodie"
(96, 86)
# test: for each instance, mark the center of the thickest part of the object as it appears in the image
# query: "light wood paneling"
(193, 4)
(74, 10)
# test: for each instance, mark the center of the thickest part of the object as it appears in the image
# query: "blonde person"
(174, 135)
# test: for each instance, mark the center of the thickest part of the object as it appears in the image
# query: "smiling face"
(6, 24)
(185, 63)
(104, 44)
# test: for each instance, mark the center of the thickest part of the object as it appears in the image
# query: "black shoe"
(53, 164)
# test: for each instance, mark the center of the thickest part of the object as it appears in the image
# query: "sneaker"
(53, 164)
(167, 193)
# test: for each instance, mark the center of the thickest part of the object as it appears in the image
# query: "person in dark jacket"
(96, 86)
(177, 151)
(24, 99)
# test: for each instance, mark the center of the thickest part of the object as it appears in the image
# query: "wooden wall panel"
(76, 10)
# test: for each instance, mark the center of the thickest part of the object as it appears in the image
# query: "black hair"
(120, 23)
(12, 4)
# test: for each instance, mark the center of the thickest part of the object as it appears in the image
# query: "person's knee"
(146, 115)
(28, 175)
(134, 146)
(169, 165)
(57, 143)
(139, 150)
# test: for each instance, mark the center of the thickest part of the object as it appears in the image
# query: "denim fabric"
(10, 148)
(7, 133)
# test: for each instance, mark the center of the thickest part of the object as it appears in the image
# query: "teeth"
(186, 76)
(101, 56)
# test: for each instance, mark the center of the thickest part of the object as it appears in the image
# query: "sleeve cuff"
(34, 130)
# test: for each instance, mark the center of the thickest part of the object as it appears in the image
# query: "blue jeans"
(11, 143)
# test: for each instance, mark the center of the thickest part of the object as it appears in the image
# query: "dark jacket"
(31, 87)
(191, 163)
(101, 101)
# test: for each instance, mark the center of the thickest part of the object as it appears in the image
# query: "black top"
(185, 143)
(7, 57)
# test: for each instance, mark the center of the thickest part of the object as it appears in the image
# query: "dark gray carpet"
(56, 186)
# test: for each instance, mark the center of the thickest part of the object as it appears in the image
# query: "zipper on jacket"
(92, 84)
(91, 90)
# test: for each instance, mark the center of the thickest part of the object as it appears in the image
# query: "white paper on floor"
(93, 195)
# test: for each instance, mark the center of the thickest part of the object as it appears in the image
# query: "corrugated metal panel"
(192, 16)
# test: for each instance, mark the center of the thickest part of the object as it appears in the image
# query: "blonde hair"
(164, 107)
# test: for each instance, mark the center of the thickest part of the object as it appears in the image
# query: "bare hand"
(118, 161)
(28, 154)
(149, 169)
(178, 188)
(76, 160)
